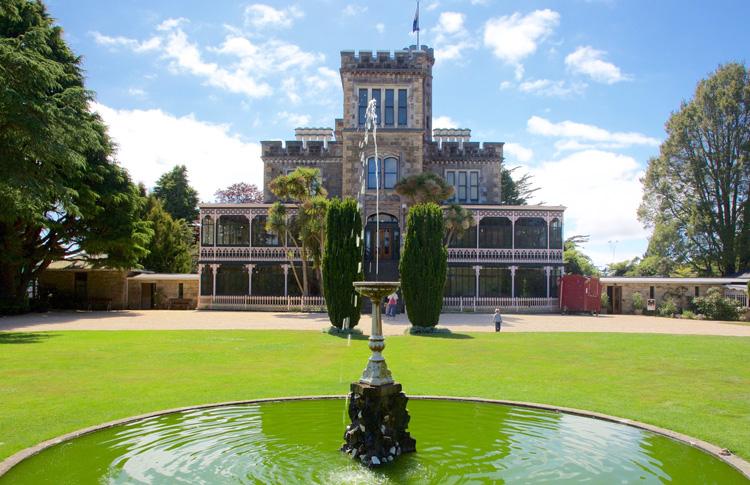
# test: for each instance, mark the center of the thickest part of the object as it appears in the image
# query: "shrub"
(342, 262)
(604, 300)
(715, 307)
(667, 309)
(637, 301)
(688, 315)
(424, 265)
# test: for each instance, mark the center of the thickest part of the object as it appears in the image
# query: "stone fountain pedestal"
(377, 407)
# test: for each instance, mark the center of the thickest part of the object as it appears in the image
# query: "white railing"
(471, 255)
(266, 303)
(739, 296)
(471, 304)
(223, 253)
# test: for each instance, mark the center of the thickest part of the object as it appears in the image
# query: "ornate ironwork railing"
(507, 255)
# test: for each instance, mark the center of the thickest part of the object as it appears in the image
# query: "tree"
(515, 192)
(458, 220)
(239, 193)
(575, 261)
(171, 244)
(424, 265)
(623, 268)
(61, 193)
(180, 199)
(342, 262)
(424, 188)
(307, 227)
(698, 185)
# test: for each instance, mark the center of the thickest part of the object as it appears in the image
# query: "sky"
(579, 90)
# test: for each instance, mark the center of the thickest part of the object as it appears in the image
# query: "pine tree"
(180, 199)
(342, 262)
(424, 265)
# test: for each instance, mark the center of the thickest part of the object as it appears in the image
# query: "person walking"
(392, 303)
(498, 319)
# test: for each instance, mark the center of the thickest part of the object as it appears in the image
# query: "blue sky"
(579, 90)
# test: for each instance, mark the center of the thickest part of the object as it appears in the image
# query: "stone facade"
(505, 249)
(100, 289)
(166, 292)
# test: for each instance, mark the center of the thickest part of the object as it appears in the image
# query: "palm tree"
(458, 220)
(423, 188)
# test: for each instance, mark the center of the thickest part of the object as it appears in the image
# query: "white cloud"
(518, 152)
(547, 87)
(514, 37)
(324, 79)
(352, 10)
(600, 189)
(506, 85)
(289, 86)
(588, 61)
(451, 37)
(432, 6)
(444, 122)
(260, 15)
(294, 120)
(243, 66)
(380, 27)
(150, 44)
(151, 142)
(171, 23)
(569, 129)
(137, 92)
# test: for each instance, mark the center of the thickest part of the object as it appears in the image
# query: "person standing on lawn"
(392, 302)
(498, 319)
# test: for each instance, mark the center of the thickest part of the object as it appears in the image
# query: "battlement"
(300, 149)
(465, 150)
(411, 58)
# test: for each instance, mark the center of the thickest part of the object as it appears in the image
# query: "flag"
(415, 25)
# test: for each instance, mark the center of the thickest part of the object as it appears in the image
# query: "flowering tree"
(239, 193)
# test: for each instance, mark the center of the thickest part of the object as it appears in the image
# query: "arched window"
(495, 232)
(233, 231)
(388, 172)
(555, 234)
(531, 233)
(207, 231)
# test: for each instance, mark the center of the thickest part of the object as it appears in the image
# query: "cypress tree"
(424, 265)
(342, 262)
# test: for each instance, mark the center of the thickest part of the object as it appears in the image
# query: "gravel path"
(466, 322)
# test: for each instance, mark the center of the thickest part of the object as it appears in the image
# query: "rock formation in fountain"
(378, 431)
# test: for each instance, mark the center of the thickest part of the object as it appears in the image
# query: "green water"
(297, 442)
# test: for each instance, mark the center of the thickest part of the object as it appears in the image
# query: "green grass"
(53, 383)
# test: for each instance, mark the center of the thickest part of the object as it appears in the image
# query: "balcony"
(222, 253)
(495, 255)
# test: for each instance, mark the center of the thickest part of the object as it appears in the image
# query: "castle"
(511, 258)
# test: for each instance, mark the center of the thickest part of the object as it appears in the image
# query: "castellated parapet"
(407, 59)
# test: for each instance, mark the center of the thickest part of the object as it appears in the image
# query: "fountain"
(377, 407)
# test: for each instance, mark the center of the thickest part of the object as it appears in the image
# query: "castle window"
(402, 107)
(376, 97)
(388, 173)
(207, 231)
(389, 107)
(465, 184)
(362, 107)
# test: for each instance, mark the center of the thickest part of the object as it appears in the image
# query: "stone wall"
(489, 175)
(165, 290)
(101, 285)
(680, 293)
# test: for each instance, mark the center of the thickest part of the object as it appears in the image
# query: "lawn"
(53, 383)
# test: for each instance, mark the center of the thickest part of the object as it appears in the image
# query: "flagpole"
(418, 29)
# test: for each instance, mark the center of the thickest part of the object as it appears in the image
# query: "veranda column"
(547, 270)
(513, 284)
(477, 269)
(286, 279)
(214, 270)
(200, 279)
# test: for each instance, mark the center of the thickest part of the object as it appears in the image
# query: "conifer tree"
(342, 262)
(424, 265)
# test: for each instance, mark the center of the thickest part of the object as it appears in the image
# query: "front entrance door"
(385, 251)
(615, 299)
(148, 291)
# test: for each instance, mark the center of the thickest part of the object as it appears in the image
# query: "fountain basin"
(296, 441)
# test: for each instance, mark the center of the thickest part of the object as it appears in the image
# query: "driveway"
(457, 322)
